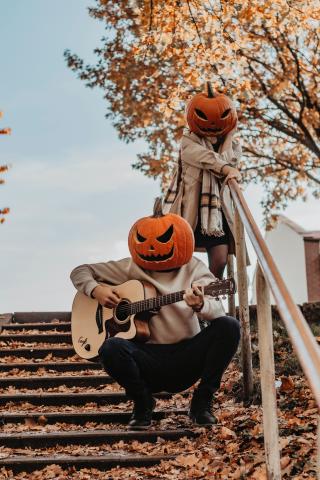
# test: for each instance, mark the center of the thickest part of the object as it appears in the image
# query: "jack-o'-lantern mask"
(211, 114)
(161, 242)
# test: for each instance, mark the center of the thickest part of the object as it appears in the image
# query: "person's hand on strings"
(106, 296)
(194, 297)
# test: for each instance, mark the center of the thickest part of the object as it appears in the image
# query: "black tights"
(218, 257)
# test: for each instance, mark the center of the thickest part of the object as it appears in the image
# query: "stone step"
(80, 418)
(52, 381)
(61, 326)
(58, 366)
(42, 352)
(92, 437)
(71, 398)
(37, 338)
(102, 462)
(41, 317)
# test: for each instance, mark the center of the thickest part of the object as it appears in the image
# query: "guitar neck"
(157, 302)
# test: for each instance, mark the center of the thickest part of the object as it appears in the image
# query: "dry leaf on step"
(226, 433)
(186, 460)
(284, 462)
(42, 420)
(287, 384)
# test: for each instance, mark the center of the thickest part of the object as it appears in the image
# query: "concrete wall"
(287, 249)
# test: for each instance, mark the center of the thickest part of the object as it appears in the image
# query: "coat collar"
(205, 141)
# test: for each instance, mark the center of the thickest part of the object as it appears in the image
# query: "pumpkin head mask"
(211, 114)
(161, 242)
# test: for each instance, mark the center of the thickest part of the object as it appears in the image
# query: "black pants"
(138, 367)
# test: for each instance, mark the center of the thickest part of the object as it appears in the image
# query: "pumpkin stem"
(210, 91)
(157, 208)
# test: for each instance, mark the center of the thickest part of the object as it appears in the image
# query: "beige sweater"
(174, 322)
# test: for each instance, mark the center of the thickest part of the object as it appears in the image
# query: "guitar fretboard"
(220, 287)
(155, 302)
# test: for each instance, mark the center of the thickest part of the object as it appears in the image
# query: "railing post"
(267, 375)
(318, 448)
(231, 298)
(246, 355)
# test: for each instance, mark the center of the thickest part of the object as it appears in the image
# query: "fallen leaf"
(287, 384)
(260, 473)
(42, 420)
(186, 460)
(30, 422)
(284, 462)
(226, 433)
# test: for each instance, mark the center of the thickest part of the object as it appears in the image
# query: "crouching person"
(176, 354)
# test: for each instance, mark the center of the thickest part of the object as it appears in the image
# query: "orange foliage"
(263, 54)
(3, 168)
(5, 131)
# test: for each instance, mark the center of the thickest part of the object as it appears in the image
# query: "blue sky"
(72, 192)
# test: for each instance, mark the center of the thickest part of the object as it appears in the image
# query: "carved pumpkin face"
(161, 242)
(211, 114)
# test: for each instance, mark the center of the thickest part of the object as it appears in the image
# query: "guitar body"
(91, 323)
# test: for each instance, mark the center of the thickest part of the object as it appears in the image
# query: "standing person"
(177, 353)
(208, 158)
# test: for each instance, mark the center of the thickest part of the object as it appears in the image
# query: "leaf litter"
(232, 449)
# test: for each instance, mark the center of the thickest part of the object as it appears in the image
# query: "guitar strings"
(153, 302)
(127, 309)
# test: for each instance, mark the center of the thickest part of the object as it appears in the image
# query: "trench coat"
(197, 154)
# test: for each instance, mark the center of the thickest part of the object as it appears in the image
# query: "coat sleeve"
(199, 156)
(88, 276)
(232, 152)
(212, 308)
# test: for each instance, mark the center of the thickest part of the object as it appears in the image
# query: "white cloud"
(92, 171)
(56, 224)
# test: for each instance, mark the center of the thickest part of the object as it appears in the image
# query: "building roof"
(311, 235)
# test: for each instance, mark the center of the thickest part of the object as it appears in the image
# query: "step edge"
(97, 433)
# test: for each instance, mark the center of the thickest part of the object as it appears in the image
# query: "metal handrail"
(303, 341)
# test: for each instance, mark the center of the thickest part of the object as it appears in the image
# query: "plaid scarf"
(209, 205)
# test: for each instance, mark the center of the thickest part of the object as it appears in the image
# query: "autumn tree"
(156, 54)
(3, 168)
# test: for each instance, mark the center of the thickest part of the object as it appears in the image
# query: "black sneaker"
(142, 412)
(200, 409)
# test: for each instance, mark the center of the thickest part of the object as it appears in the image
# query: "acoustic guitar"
(92, 323)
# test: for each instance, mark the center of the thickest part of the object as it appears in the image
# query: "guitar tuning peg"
(216, 298)
(224, 297)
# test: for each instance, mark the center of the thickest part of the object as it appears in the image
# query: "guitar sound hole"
(122, 311)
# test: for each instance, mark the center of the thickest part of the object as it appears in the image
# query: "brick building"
(297, 255)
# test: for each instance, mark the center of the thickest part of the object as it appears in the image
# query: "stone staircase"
(53, 402)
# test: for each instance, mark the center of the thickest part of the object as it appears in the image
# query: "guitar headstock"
(221, 287)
